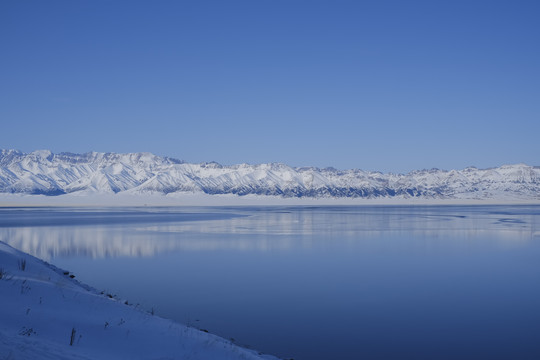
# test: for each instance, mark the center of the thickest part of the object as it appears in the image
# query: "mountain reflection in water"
(48, 233)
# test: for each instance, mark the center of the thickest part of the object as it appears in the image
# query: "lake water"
(371, 282)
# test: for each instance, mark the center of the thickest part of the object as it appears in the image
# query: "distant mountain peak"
(42, 172)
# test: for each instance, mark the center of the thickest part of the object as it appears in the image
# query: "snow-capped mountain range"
(42, 172)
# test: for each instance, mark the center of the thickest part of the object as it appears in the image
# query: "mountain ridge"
(43, 172)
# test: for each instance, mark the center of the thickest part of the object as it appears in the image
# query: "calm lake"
(362, 282)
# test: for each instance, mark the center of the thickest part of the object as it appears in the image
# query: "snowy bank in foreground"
(44, 314)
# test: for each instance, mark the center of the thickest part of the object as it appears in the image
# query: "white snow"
(43, 172)
(44, 314)
(197, 199)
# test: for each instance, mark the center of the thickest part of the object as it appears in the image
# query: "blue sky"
(376, 85)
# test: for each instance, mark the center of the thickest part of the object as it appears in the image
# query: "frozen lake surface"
(374, 282)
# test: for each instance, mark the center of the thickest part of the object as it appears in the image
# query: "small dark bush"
(21, 263)
(72, 339)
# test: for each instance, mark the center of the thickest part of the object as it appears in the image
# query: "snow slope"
(45, 314)
(42, 172)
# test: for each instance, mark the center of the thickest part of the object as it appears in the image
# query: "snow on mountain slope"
(42, 172)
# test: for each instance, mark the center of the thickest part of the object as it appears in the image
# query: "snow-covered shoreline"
(188, 199)
(46, 314)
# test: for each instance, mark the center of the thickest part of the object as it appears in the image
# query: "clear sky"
(377, 85)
